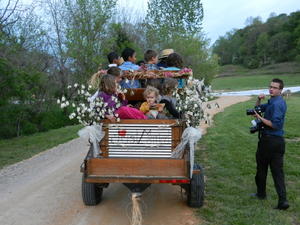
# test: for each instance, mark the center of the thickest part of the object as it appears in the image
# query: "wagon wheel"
(91, 193)
(195, 191)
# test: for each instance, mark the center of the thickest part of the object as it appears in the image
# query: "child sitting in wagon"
(175, 63)
(151, 59)
(168, 87)
(116, 104)
(151, 108)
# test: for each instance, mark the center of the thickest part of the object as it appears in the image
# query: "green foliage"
(260, 44)
(177, 25)
(53, 119)
(22, 119)
(121, 36)
(168, 19)
(227, 153)
(196, 56)
(86, 23)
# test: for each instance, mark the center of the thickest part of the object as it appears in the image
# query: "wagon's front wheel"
(195, 194)
(91, 193)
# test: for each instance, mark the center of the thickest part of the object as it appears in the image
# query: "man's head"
(129, 54)
(276, 87)
(113, 58)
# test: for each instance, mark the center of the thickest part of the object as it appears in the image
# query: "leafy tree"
(280, 46)
(169, 19)
(86, 22)
(263, 48)
(276, 40)
(178, 25)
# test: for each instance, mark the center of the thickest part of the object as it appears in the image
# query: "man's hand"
(265, 121)
(261, 96)
(257, 115)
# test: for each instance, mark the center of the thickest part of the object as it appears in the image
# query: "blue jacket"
(274, 111)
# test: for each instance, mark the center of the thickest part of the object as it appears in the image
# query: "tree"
(9, 15)
(178, 25)
(280, 45)
(86, 23)
(263, 48)
(276, 40)
(169, 19)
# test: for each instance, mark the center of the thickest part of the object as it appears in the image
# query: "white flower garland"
(83, 108)
(190, 101)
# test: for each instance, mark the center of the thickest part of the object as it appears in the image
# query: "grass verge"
(243, 82)
(227, 153)
(17, 149)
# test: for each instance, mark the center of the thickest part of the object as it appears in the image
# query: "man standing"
(271, 144)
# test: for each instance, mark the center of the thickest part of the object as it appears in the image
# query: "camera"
(251, 111)
(257, 125)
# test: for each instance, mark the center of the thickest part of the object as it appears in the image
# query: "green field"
(234, 78)
(239, 83)
(227, 153)
(17, 149)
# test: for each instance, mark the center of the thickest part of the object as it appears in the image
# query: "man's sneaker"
(260, 197)
(283, 205)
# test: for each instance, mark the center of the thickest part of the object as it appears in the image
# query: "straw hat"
(165, 53)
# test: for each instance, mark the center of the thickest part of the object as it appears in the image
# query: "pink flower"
(168, 74)
(185, 71)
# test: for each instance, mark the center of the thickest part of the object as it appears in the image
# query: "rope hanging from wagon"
(136, 216)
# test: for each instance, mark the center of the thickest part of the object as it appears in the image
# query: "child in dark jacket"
(169, 86)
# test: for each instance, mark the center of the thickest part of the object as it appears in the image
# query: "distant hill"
(261, 43)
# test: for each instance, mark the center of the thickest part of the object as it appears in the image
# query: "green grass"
(275, 69)
(227, 153)
(245, 82)
(17, 149)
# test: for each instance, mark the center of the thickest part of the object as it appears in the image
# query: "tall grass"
(227, 153)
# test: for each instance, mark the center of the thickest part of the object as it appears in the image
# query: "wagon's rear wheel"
(91, 193)
(195, 192)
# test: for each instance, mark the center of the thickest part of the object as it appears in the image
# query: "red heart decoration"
(122, 132)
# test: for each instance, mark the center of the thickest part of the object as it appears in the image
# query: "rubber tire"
(91, 193)
(195, 194)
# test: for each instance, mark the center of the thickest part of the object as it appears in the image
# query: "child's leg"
(126, 112)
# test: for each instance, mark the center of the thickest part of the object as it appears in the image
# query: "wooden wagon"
(137, 153)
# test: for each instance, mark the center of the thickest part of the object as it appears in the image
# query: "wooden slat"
(137, 167)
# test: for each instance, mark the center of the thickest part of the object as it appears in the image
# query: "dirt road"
(46, 189)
